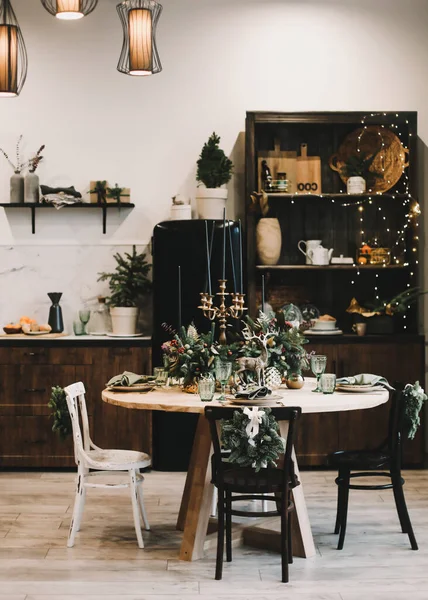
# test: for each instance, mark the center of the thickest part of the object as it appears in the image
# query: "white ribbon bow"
(255, 416)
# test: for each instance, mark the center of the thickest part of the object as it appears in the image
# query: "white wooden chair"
(93, 461)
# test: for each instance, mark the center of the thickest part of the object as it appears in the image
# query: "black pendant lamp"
(13, 54)
(69, 10)
(139, 55)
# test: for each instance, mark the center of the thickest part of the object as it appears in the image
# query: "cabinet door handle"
(34, 354)
(35, 390)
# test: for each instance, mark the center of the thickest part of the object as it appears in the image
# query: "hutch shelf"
(344, 223)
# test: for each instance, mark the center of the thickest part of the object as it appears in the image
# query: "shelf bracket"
(33, 220)
(104, 219)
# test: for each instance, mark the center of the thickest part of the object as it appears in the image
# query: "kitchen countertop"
(73, 340)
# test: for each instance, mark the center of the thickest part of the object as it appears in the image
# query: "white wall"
(220, 58)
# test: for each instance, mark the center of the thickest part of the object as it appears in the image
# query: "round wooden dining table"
(194, 514)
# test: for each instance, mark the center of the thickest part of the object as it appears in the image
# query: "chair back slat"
(396, 424)
(76, 403)
(290, 414)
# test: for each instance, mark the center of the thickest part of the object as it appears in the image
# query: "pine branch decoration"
(259, 452)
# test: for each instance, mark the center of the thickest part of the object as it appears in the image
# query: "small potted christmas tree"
(214, 171)
(358, 172)
(129, 283)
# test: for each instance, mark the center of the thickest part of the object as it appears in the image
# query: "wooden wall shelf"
(33, 206)
(328, 267)
(344, 196)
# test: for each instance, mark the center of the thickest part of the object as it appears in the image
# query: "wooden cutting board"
(279, 161)
(21, 336)
(308, 172)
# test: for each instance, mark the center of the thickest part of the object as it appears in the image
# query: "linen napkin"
(127, 378)
(365, 379)
(260, 392)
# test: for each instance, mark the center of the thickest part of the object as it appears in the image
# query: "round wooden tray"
(390, 160)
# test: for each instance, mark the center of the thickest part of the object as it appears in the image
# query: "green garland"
(259, 452)
(414, 397)
(61, 416)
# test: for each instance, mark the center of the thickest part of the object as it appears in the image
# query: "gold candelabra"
(222, 312)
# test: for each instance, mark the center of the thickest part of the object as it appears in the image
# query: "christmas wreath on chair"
(252, 437)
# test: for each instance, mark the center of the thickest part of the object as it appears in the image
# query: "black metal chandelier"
(13, 54)
(139, 53)
(69, 9)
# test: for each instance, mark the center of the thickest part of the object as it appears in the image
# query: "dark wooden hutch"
(335, 217)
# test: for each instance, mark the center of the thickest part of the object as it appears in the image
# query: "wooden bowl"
(10, 329)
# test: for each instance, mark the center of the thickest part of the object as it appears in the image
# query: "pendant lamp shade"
(70, 10)
(13, 54)
(139, 55)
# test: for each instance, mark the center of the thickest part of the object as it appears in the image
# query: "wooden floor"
(35, 509)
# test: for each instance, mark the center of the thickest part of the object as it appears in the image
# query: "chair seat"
(118, 460)
(359, 460)
(246, 480)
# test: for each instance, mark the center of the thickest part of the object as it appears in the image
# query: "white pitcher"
(320, 255)
(310, 245)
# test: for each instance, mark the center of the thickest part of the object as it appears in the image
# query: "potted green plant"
(357, 170)
(214, 171)
(128, 284)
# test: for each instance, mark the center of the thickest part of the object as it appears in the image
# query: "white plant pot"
(181, 212)
(124, 320)
(356, 185)
(269, 241)
(211, 202)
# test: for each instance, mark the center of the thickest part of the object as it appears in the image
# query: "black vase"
(55, 313)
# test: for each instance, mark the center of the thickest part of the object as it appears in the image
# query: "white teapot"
(320, 255)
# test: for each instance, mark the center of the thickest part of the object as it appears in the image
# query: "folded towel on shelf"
(365, 379)
(127, 378)
(253, 393)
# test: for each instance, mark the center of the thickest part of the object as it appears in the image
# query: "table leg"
(197, 497)
(303, 542)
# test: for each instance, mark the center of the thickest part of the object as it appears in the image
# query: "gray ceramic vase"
(17, 188)
(31, 188)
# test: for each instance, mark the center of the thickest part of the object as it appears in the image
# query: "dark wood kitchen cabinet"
(398, 358)
(27, 374)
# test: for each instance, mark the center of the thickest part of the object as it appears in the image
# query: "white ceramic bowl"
(323, 325)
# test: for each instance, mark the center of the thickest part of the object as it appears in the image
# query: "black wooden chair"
(229, 478)
(384, 461)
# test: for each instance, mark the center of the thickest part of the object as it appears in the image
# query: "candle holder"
(222, 312)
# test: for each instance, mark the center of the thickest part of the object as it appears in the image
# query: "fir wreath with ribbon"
(252, 436)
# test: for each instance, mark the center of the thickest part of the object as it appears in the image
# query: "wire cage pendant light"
(13, 54)
(70, 10)
(139, 56)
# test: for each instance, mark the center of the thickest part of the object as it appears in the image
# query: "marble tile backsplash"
(28, 273)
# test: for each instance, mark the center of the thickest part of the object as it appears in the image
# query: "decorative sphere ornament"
(273, 378)
(294, 381)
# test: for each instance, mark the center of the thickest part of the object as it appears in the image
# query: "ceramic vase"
(211, 202)
(269, 241)
(16, 188)
(31, 188)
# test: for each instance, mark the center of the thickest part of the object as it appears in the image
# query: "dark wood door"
(317, 434)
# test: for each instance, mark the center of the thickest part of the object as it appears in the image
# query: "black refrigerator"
(183, 244)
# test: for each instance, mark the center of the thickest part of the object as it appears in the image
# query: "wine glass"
(223, 370)
(84, 316)
(318, 366)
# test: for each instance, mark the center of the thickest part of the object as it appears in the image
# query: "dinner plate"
(358, 389)
(323, 332)
(38, 333)
(256, 401)
(118, 335)
(139, 387)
